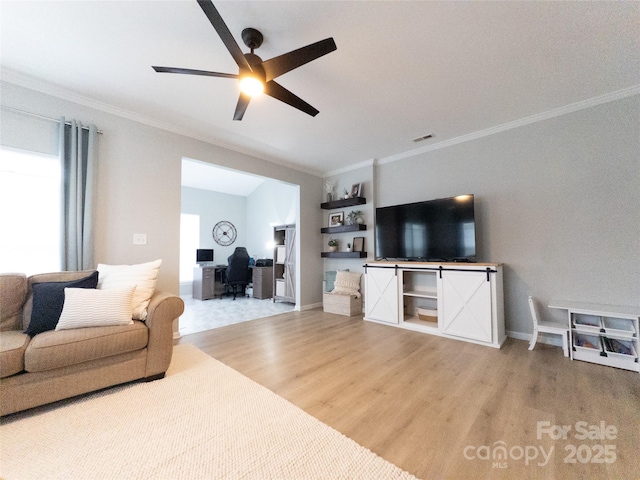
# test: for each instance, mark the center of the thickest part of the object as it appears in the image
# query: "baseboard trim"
(542, 338)
(311, 306)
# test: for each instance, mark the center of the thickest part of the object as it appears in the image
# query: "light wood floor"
(422, 402)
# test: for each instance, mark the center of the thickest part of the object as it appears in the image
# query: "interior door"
(466, 304)
(290, 263)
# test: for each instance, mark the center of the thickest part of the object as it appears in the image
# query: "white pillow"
(88, 307)
(143, 275)
(347, 283)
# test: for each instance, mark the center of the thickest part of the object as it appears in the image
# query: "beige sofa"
(59, 364)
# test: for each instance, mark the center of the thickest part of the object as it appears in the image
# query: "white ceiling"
(202, 175)
(401, 70)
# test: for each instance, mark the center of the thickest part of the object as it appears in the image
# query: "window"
(30, 196)
(189, 243)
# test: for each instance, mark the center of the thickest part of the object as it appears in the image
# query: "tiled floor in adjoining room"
(200, 315)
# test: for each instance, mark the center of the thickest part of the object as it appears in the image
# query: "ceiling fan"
(255, 75)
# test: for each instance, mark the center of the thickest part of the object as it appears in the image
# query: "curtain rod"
(40, 116)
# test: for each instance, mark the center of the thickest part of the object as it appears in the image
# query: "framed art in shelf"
(356, 190)
(358, 244)
(336, 219)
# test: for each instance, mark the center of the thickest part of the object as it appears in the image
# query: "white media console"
(463, 301)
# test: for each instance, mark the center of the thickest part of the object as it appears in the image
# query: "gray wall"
(272, 203)
(213, 207)
(139, 187)
(364, 176)
(557, 202)
(254, 216)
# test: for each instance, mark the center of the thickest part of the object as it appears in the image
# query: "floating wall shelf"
(345, 202)
(344, 228)
(344, 254)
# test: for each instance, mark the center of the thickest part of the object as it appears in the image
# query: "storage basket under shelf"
(620, 354)
(621, 327)
(427, 315)
(587, 323)
(618, 348)
(588, 348)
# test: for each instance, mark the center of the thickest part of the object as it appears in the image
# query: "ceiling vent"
(424, 137)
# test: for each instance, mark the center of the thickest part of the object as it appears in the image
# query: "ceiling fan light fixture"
(252, 86)
(255, 75)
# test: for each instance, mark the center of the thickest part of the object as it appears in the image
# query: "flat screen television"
(204, 255)
(441, 230)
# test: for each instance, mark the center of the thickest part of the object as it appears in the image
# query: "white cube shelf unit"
(603, 334)
(463, 301)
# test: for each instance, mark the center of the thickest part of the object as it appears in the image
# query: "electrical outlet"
(139, 238)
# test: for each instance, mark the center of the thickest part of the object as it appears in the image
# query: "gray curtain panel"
(78, 153)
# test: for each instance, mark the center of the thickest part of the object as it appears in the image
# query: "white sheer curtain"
(78, 154)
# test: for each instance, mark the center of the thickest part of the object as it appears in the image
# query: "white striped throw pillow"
(143, 275)
(87, 307)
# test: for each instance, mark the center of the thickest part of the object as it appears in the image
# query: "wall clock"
(224, 233)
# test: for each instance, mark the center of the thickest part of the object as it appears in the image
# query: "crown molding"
(349, 168)
(539, 117)
(26, 81)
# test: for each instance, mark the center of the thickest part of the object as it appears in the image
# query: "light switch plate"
(139, 238)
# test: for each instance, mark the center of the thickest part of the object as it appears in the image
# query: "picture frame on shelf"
(336, 219)
(356, 190)
(358, 244)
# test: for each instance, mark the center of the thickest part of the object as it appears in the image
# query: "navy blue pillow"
(48, 300)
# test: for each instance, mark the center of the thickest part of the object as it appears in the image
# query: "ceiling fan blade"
(241, 107)
(278, 92)
(223, 31)
(277, 66)
(189, 71)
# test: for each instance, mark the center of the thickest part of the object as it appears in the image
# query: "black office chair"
(238, 274)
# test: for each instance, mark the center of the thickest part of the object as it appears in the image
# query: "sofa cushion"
(13, 344)
(48, 300)
(85, 307)
(144, 276)
(13, 292)
(55, 349)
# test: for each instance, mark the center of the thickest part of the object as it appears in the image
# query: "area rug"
(204, 420)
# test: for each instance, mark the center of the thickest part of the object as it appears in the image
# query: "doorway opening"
(249, 206)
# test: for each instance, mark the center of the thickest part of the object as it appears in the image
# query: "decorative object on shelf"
(224, 233)
(355, 217)
(328, 187)
(333, 245)
(358, 244)
(346, 194)
(349, 247)
(356, 190)
(336, 219)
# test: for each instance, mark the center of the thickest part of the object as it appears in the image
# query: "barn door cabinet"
(461, 301)
(284, 263)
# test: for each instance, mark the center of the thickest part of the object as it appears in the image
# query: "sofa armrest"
(163, 309)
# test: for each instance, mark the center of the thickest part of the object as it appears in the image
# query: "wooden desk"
(208, 281)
